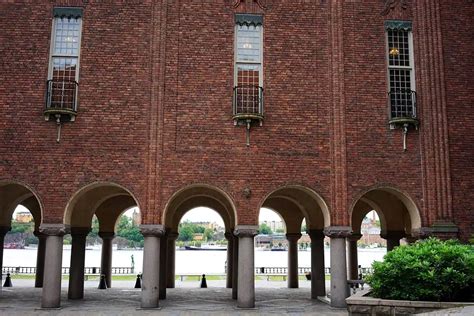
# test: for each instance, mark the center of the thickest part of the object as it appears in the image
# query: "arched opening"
(194, 202)
(98, 207)
(20, 217)
(298, 204)
(380, 216)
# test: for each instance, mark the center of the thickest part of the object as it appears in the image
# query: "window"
(248, 79)
(402, 95)
(63, 74)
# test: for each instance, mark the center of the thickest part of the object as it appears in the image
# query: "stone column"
(106, 256)
(293, 259)
(339, 287)
(162, 271)
(246, 283)
(151, 265)
(3, 231)
(40, 258)
(352, 261)
(235, 267)
(78, 257)
(393, 238)
(171, 260)
(230, 258)
(51, 296)
(318, 276)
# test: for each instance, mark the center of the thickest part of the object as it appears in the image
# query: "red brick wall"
(155, 110)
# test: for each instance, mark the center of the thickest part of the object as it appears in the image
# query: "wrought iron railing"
(402, 104)
(248, 102)
(61, 95)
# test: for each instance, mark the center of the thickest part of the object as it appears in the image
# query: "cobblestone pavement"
(180, 301)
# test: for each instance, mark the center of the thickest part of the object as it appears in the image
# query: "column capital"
(246, 230)
(54, 229)
(228, 235)
(4, 230)
(316, 234)
(39, 234)
(151, 230)
(393, 234)
(338, 231)
(173, 235)
(293, 236)
(106, 235)
(80, 231)
(354, 237)
(421, 233)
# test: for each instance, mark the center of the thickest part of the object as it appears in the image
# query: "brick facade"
(155, 111)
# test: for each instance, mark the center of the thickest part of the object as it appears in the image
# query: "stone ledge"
(361, 304)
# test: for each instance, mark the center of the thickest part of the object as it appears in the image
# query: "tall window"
(63, 73)
(400, 69)
(248, 91)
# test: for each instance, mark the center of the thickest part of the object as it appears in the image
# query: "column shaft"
(392, 243)
(318, 276)
(40, 255)
(339, 287)
(106, 256)
(3, 231)
(230, 255)
(246, 283)
(151, 265)
(76, 271)
(293, 259)
(51, 295)
(171, 261)
(235, 270)
(162, 267)
(352, 260)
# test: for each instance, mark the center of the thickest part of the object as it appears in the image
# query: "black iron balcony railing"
(402, 105)
(61, 97)
(248, 102)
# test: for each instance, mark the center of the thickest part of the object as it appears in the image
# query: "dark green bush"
(429, 270)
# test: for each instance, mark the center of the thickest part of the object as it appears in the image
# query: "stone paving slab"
(180, 301)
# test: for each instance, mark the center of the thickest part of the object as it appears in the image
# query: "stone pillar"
(3, 231)
(106, 257)
(246, 283)
(235, 267)
(230, 258)
(151, 265)
(162, 271)
(339, 287)
(318, 276)
(293, 259)
(78, 257)
(171, 260)
(40, 258)
(393, 238)
(51, 296)
(352, 261)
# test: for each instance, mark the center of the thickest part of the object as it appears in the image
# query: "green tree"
(185, 233)
(265, 229)
(208, 234)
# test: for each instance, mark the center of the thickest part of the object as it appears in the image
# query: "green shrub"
(429, 270)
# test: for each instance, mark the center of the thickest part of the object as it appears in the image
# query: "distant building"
(23, 217)
(136, 218)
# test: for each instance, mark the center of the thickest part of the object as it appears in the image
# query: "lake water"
(187, 262)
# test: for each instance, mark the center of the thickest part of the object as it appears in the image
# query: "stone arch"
(295, 203)
(396, 209)
(197, 195)
(14, 193)
(108, 199)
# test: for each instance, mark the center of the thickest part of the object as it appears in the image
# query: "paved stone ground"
(274, 299)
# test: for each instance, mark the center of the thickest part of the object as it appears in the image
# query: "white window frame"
(53, 44)
(237, 63)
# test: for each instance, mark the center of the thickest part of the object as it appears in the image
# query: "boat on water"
(206, 247)
(278, 249)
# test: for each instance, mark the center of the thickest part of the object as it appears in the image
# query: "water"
(187, 262)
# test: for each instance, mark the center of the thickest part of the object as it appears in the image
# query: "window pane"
(66, 39)
(249, 43)
(398, 47)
